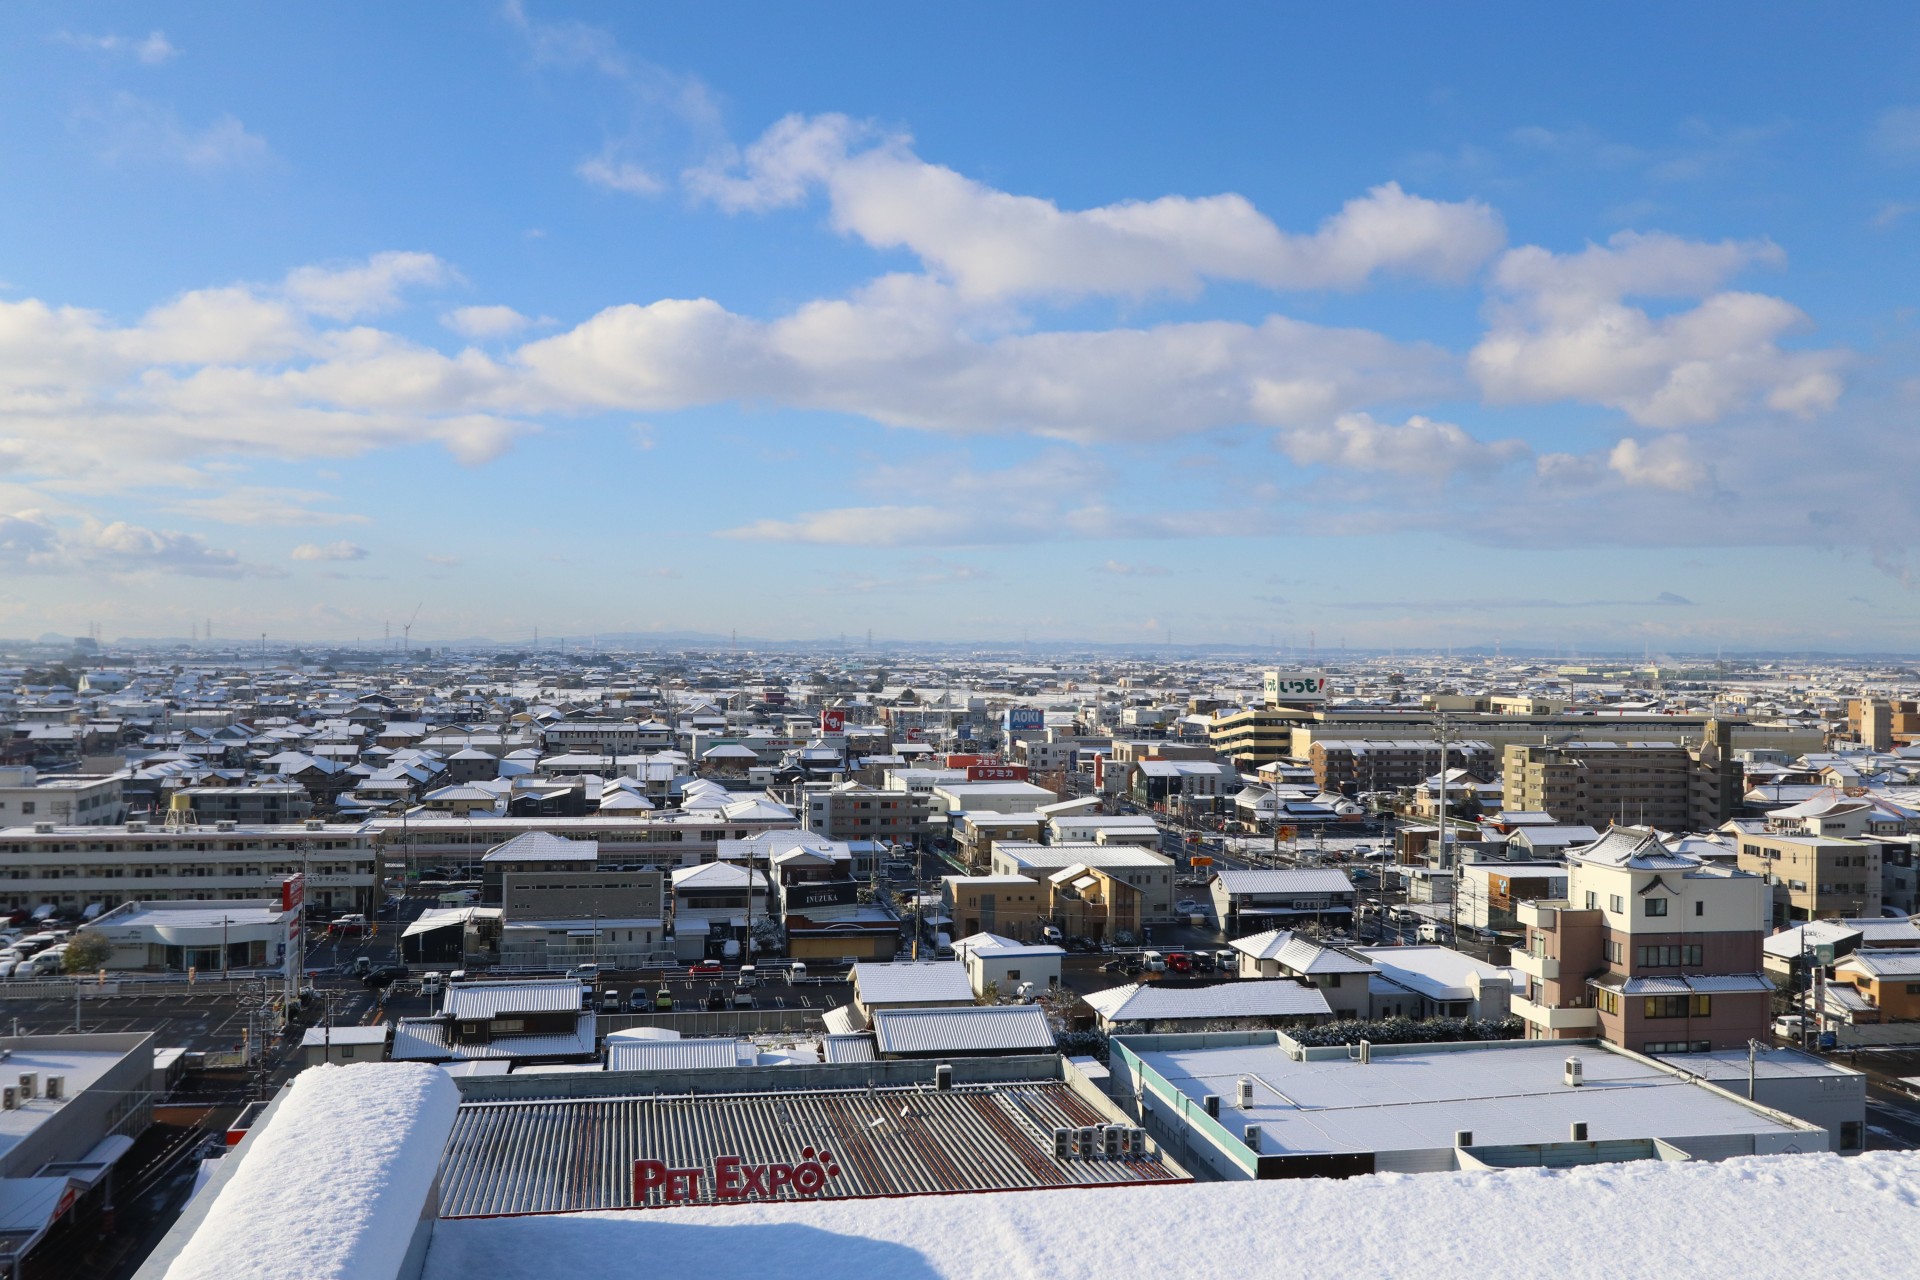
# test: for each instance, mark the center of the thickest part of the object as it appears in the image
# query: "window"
(1670, 956)
(1606, 1001)
(1851, 1135)
(26, 806)
(1614, 951)
(1593, 900)
(1656, 906)
(1700, 908)
(1616, 904)
(1678, 1007)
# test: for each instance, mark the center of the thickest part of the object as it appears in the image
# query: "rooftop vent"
(225, 824)
(43, 828)
(1463, 1137)
(1576, 1073)
(1366, 1051)
(316, 824)
(1578, 1131)
(943, 1076)
(131, 826)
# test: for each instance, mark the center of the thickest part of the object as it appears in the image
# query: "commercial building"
(71, 867)
(1253, 1105)
(534, 851)
(1252, 736)
(853, 811)
(1012, 905)
(555, 919)
(665, 840)
(1653, 950)
(1146, 1007)
(1810, 1088)
(209, 937)
(1350, 766)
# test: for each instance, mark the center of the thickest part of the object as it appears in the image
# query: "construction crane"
(406, 632)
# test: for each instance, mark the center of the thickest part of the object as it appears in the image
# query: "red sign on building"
(996, 773)
(833, 720)
(293, 892)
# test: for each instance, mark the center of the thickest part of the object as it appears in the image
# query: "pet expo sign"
(732, 1178)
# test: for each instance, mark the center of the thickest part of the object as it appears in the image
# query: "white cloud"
(620, 175)
(1120, 570)
(364, 288)
(994, 244)
(152, 49)
(32, 542)
(330, 551)
(1561, 331)
(1666, 462)
(484, 322)
(1420, 446)
(128, 129)
(255, 505)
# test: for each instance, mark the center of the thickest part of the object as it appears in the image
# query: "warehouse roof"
(492, 999)
(678, 1055)
(559, 1155)
(1008, 1028)
(1306, 880)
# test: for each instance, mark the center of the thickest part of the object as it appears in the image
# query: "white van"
(1153, 962)
(1431, 932)
(797, 972)
(48, 962)
(749, 976)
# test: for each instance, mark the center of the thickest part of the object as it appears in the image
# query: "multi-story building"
(557, 918)
(1666, 785)
(1012, 906)
(852, 811)
(69, 799)
(1881, 724)
(1652, 950)
(1353, 765)
(1815, 877)
(71, 867)
(604, 737)
(1252, 736)
(662, 840)
(260, 803)
(1147, 870)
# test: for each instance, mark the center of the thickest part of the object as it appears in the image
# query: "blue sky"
(1571, 326)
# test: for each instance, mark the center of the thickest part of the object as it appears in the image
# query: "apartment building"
(1661, 784)
(1888, 981)
(70, 867)
(604, 737)
(852, 811)
(1817, 857)
(1652, 950)
(662, 840)
(1881, 724)
(1349, 766)
(1309, 725)
(28, 796)
(1148, 871)
(559, 918)
(261, 803)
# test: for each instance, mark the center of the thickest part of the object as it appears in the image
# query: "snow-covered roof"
(1246, 998)
(904, 983)
(977, 1029)
(542, 846)
(342, 1169)
(1306, 880)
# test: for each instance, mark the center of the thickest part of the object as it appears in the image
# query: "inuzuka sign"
(732, 1178)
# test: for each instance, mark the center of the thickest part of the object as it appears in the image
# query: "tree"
(86, 952)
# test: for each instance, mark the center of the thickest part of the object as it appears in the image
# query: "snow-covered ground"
(1776, 1216)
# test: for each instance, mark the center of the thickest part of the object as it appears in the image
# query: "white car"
(1187, 906)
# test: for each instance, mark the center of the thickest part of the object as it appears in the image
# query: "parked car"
(47, 963)
(1227, 961)
(610, 1000)
(1153, 962)
(705, 969)
(1051, 933)
(743, 1000)
(749, 976)
(432, 983)
(587, 973)
(384, 976)
(1792, 1027)
(348, 926)
(663, 1000)
(1202, 961)
(1431, 932)
(715, 1001)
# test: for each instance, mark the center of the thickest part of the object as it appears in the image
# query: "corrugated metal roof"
(1311, 880)
(492, 999)
(542, 846)
(678, 1055)
(899, 983)
(564, 1155)
(848, 1048)
(981, 1029)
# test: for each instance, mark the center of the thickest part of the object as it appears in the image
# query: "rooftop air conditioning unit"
(136, 826)
(29, 1085)
(1243, 1093)
(1113, 1141)
(1086, 1143)
(1137, 1143)
(316, 824)
(56, 1088)
(225, 824)
(9, 1098)
(1063, 1144)
(43, 828)
(1253, 1137)
(1576, 1073)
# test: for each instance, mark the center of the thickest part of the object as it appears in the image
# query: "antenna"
(406, 632)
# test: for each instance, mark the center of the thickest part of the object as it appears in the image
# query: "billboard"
(833, 720)
(293, 892)
(1025, 720)
(1295, 686)
(959, 761)
(996, 773)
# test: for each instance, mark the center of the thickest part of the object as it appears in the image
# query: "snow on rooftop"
(1851, 1216)
(334, 1184)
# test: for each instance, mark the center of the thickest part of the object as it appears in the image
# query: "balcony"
(1543, 968)
(1549, 1018)
(1542, 914)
